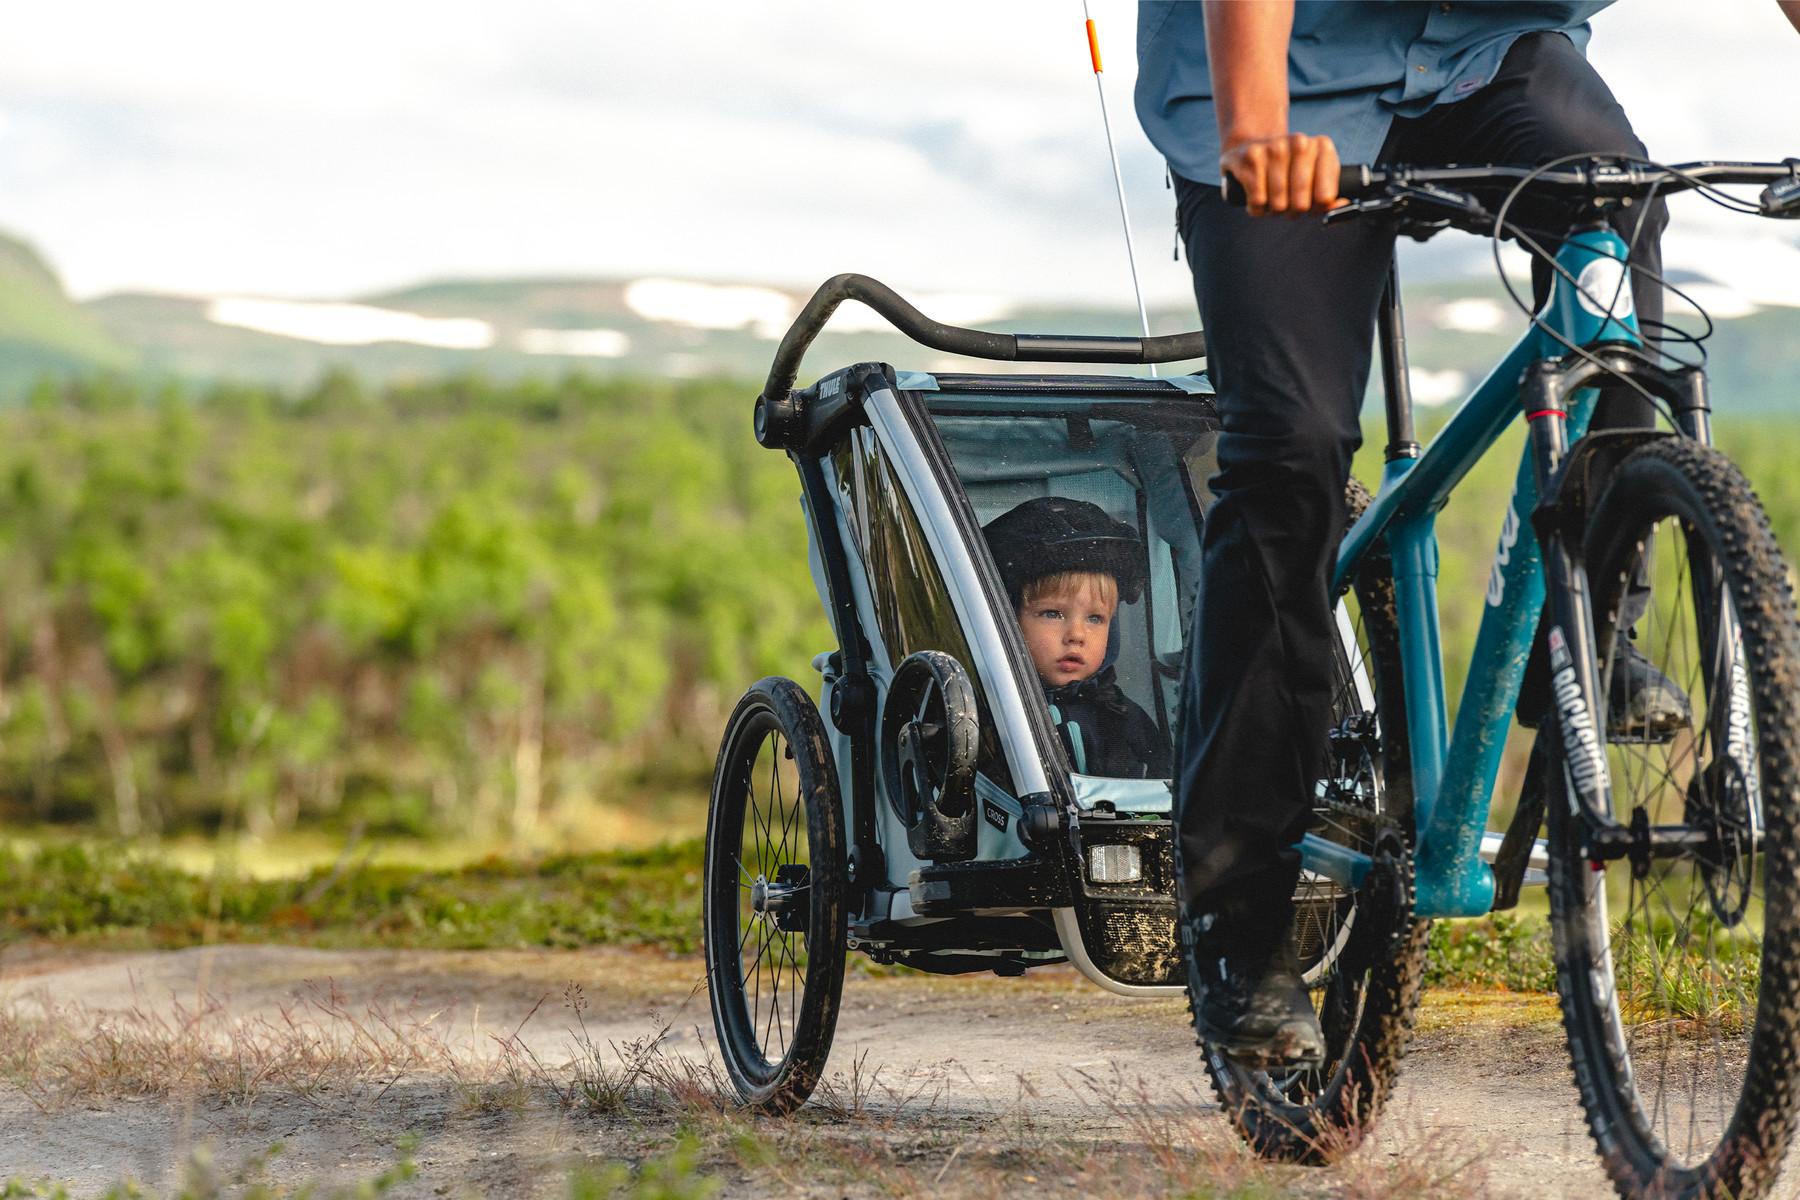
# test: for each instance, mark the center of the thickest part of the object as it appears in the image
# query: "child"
(1066, 566)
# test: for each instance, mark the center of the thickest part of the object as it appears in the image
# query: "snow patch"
(1432, 388)
(951, 308)
(1762, 270)
(581, 343)
(767, 313)
(1717, 301)
(764, 311)
(1472, 315)
(335, 324)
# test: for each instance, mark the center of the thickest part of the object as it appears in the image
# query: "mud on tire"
(1680, 977)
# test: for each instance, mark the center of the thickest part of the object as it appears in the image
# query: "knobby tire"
(1681, 1098)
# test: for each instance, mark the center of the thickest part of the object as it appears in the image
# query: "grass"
(677, 1174)
(115, 898)
(1503, 951)
(667, 1121)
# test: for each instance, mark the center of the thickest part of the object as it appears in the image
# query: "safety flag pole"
(1093, 38)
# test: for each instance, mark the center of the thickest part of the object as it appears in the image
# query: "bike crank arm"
(1328, 860)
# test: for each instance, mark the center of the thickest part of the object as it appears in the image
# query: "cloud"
(337, 149)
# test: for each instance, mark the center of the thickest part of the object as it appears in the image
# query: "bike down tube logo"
(1509, 537)
(1583, 753)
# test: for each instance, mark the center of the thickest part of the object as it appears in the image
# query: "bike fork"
(1577, 706)
(1578, 701)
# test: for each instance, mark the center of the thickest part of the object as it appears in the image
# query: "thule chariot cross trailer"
(931, 814)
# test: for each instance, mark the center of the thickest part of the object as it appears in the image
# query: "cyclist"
(1277, 94)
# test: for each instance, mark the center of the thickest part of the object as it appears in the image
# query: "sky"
(334, 149)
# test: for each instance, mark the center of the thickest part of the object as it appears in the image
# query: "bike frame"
(1453, 773)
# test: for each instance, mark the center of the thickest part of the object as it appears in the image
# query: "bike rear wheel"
(1679, 975)
(1362, 953)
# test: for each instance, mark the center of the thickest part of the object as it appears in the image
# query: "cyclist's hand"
(1294, 174)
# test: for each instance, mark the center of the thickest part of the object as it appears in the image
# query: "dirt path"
(120, 1065)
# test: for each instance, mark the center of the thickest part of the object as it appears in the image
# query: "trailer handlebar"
(953, 339)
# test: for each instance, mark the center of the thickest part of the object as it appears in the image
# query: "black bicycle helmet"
(1053, 534)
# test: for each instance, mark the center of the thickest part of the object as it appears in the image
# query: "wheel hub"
(1719, 799)
(782, 898)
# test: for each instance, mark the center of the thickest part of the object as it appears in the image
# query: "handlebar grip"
(1354, 181)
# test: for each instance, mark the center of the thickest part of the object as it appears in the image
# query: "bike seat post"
(1396, 383)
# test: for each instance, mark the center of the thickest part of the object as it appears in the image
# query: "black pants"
(1289, 310)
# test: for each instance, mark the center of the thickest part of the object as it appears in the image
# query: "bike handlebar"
(1598, 178)
(952, 339)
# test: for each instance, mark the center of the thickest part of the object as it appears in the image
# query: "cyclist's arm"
(1791, 10)
(1282, 172)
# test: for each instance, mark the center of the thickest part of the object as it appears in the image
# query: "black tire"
(1363, 952)
(1681, 1017)
(930, 743)
(774, 897)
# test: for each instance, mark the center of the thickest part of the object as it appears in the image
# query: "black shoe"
(1249, 1002)
(1643, 704)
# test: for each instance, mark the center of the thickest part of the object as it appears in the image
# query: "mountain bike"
(1673, 856)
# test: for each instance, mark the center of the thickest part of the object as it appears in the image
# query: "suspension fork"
(1578, 693)
(1578, 710)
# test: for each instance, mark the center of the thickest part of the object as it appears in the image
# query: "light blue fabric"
(1353, 66)
(1136, 797)
(1193, 385)
(915, 381)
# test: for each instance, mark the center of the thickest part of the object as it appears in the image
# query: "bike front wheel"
(1679, 970)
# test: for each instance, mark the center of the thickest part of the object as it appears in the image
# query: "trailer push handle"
(952, 339)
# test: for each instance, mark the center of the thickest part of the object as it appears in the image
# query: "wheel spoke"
(759, 887)
(1685, 946)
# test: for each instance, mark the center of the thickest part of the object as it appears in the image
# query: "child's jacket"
(1104, 732)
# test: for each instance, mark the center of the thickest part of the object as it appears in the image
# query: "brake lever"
(1460, 203)
(1465, 211)
(1351, 209)
(1781, 199)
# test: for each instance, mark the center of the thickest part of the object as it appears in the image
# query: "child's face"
(1066, 631)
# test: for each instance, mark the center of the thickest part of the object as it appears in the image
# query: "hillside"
(508, 329)
(41, 330)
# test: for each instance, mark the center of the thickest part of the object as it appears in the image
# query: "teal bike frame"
(1453, 773)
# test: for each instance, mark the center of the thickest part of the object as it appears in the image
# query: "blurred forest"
(457, 608)
(446, 608)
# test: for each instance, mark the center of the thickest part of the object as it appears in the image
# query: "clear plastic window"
(1146, 465)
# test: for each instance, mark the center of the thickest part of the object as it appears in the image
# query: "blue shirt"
(1353, 66)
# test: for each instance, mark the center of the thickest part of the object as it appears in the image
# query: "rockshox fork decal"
(1583, 752)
